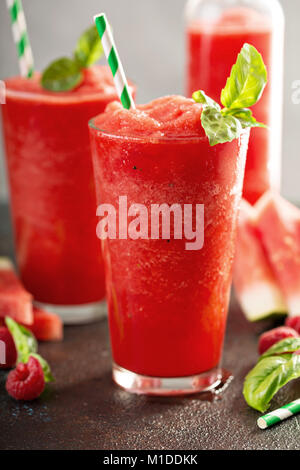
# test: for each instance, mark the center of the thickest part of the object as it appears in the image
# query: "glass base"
(143, 385)
(77, 314)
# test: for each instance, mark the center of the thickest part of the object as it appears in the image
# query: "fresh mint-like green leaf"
(247, 81)
(62, 75)
(25, 341)
(65, 74)
(27, 346)
(89, 48)
(46, 368)
(218, 127)
(269, 376)
(287, 345)
(244, 88)
(200, 97)
(245, 117)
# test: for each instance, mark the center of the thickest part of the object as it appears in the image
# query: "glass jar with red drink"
(216, 31)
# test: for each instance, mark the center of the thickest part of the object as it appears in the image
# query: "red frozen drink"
(167, 305)
(52, 190)
(212, 46)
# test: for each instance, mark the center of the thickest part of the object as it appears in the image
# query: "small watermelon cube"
(46, 326)
(15, 301)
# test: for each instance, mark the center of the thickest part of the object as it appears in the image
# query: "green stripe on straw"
(279, 415)
(20, 35)
(14, 11)
(114, 61)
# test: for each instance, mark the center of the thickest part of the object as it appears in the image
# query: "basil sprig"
(26, 346)
(277, 367)
(65, 74)
(62, 75)
(243, 89)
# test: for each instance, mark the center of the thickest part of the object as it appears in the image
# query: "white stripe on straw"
(114, 61)
(20, 35)
(279, 415)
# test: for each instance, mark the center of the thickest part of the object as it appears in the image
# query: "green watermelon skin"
(15, 301)
(278, 223)
(256, 287)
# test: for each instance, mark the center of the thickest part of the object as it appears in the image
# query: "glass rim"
(149, 139)
(161, 139)
(50, 97)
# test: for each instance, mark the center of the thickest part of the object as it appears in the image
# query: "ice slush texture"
(170, 116)
(168, 306)
(52, 186)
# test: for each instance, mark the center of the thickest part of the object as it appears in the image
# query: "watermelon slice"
(278, 222)
(15, 301)
(255, 285)
(47, 326)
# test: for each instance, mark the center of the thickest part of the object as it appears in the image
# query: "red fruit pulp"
(278, 222)
(51, 185)
(255, 284)
(293, 323)
(212, 50)
(15, 301)
(27, 381)
(8, 350)
(47, 326)
(168, 306)
(272, 337)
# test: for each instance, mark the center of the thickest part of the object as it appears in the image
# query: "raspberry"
(27, 381)
(8, 353)
(293, 323)
(274, 336)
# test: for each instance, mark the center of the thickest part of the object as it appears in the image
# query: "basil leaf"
(46, 368)
(220, 128)
(24, 340)
(287, 345)
(247, 81)
(267, 377)
(62, 75)
(244, 88)
(89, 48)
(27, 346)
(245, 117)
(201, 97)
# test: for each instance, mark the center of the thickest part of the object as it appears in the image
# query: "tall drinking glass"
(52, 191)
(167, 303)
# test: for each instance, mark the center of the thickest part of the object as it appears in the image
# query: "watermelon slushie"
(167, 306)
(212, 47)
(52, 189)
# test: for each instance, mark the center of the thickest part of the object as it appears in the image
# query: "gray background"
(150, 38)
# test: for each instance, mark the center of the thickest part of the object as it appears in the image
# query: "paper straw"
(20, 35)
(279, 415)
(114, 61)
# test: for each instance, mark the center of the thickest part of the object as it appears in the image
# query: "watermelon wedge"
(278, 222)
(15, 301)
(46, 326)
(255, 285)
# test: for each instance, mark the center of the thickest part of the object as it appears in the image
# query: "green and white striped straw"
(114, 61)
(20, 36)
(279, 415)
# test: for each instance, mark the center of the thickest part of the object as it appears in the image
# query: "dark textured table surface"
(85, 410)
